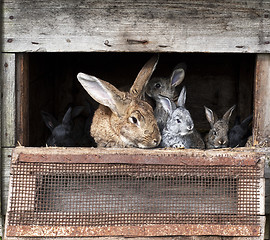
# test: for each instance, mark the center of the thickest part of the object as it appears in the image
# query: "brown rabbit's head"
(218, 134)
(124, 119)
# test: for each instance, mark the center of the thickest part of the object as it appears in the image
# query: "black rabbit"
(66, 133)
(239, 133)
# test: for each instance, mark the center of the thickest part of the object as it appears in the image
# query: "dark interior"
(217, 81)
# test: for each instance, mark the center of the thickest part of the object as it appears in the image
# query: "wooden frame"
(175, 26)
(22, 82)
(261, 128)
(22, 99)
(8, 104)
(8, 126)
(236, 157)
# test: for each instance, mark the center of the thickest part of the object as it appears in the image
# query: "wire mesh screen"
(57, 194)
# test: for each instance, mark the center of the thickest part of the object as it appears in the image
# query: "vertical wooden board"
(6, 161)
(5, 173)
(22, 85)
(261, 129)
(8, 100)
(1, 92)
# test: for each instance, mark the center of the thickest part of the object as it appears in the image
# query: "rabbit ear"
(177, 76)
(211, 116)
(166, 104)
(246, 122)
(67, 117)
(228, 114)
(49, 120)
(76, 111)
(137, 89)
(182, 97)
(104, 93)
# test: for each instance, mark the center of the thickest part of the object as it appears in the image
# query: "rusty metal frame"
(226, 157)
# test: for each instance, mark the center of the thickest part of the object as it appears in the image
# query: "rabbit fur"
(158, 86)
(239, 133)
(218, 134)
(66, 133)
(179, 131)
(123, 119)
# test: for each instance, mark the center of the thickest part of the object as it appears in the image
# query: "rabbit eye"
(178, 120)
(133, 120)
(158, 85)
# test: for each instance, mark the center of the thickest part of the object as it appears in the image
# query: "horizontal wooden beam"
(227, 157)
(129, 231)
(130, 26)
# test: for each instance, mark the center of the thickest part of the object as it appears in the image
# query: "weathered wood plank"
(261, 128)
(149, 238)
(1, 92)
(22, 98)
(169, 156)
(6, 160)
(159, 26)
(129, 231)
(8, 100)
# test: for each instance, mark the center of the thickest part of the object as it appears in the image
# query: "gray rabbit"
(179, 131)
(159, 86)
(218, 134)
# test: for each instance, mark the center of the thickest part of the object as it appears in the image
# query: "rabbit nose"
(222, 142)
(156, 141)
(190, 127)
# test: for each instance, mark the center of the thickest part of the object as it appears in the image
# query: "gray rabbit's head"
(166, 86)
(218, 134)
(179, 120)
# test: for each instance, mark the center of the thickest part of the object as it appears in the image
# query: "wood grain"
(126, 26)
(6, 160)
(8, 101)
(261, 127)
(148, 238)
(22, 98)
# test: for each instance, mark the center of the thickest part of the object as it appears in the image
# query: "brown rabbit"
(123, 119)
(218, 134)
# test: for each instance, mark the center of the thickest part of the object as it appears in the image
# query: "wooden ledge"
(224, 157)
